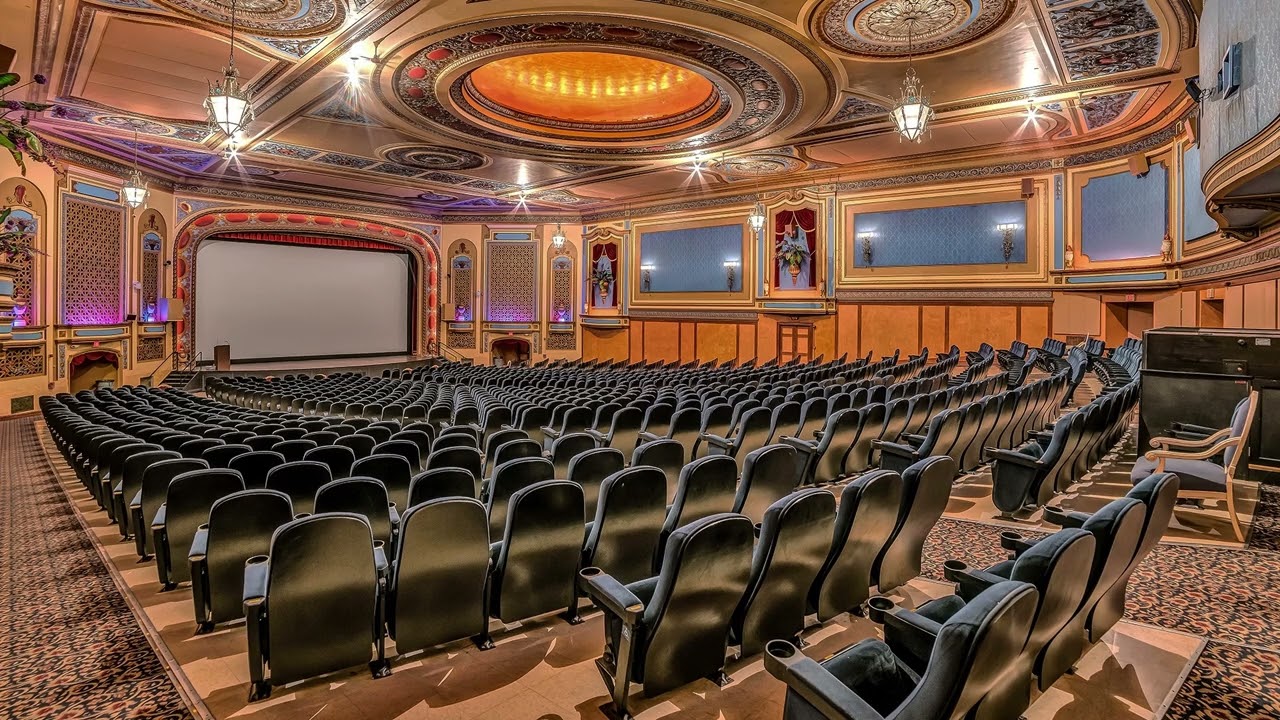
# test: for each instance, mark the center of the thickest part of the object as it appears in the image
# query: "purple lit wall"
(92, 261)
(511, 282)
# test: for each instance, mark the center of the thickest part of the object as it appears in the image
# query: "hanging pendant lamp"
(135, 190)
(912, 113)
(229, 105)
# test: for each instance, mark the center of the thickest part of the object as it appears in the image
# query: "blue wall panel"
(1123, 216)
(692, 260)
(1195, 221)
(952, 235)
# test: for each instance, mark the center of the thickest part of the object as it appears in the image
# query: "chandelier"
(135, 190)
(558, 239)
(757, 218)
(912, 113)
(229, 105)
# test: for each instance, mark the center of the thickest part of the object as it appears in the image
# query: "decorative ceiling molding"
(1040, 297)
(258, 196)
(890, 28)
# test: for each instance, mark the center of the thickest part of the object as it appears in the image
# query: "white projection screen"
(276, 301)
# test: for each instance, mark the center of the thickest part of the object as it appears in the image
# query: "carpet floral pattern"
(72, 648)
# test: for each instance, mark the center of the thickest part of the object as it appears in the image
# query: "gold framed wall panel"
(1039, 234)
(747, 278)
(1078, 177)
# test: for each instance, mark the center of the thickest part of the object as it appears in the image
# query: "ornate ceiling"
(459, 104)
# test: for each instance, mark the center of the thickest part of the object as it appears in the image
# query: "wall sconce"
(731, 272)
(865, 239)
(1007, 230)
(646, 277)
(1068, 256)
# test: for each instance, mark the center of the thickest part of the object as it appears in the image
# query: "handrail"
(192, 364)
(454, 355)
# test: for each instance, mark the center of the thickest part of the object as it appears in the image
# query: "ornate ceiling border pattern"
(878, 28)
(1105, 37)
(434, 157)
(770, 100)
(338, 108)
(73, 110)
(1100, 110)
(278, 19)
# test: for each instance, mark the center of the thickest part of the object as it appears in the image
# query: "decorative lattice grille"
(150, 348)
(92, 251)
(462, 340)
(463, 288)
(21, 361)
(562, 341)
(562, 291)
(24, 272)
(512, 282)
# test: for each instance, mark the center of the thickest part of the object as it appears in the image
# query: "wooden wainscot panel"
(598, 344)
(746, 341)
(1076, 314)
(824, 337)
(661, 341)
(1033, 324)
(847, 330)
(885, 328)
(933, 328)
(767, 338)
(1260, 304)
(718, 341)
(636, 344)
(971, 325)
(1233, 307)
(688, 342)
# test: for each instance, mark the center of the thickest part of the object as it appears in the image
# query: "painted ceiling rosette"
(272, 18)
(889, 28)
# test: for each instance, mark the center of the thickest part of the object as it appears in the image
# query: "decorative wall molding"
(259, 197)
(1022, 297)
(704, 315)
(1264, 256)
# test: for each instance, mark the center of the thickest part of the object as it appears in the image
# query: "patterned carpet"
(71, 648)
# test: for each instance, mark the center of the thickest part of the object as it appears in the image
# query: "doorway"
(795, 342)
(509, 351)
(1211, 312)
(1126, 320)
(97, 368)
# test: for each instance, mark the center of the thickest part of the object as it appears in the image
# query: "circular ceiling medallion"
(590, 89)
(748, 166)
(893, 28)
(435, 157)
(437, 197)
(124, 122)
(273, 18)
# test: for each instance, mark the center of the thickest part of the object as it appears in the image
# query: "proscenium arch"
(212, 222)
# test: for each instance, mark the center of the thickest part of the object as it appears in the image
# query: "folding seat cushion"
(926, 488)
(302, 623)
(339, 459)
(431, 602)
(144, 505)
(394, 471)
(588, 469)
(536, 562)
(220, 456)
(864, 523)
(364, 496)
(622, 537)
(768, 474)
(707, 486)
(867, 680)
(795, 538)
(508, 479)
(187, 502)
(299, 480)
(1054, 566)
(240, 526)
(676, 623)
(254, 466)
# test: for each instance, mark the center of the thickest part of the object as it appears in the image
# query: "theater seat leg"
(259, 691)
(719, 678)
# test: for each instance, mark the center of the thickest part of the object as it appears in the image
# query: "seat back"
(155, 486)
(299, 480)
(566, 447)
(926, 488)
(467, 458)
(187, 503)
(707, 486)
(240, 526)
(627, 523)
(394, 471)
(837, 437)
(508, 479)
(434, 602)
(666, 455)
(338, 458)
(404, 448)
(445, 482)
(516, 449)
(361, 445)
(768, 475)
(537, 565)
(254, 466)
(705, 569)
(795, 538)
(497, 439)
(320, 621)
(867, 516)
(870, 427)
(588, 469)
(220, 456)
(362, 495)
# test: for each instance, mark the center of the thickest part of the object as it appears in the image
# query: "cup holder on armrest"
(1010, 540)
(878, 606)
(953, 568)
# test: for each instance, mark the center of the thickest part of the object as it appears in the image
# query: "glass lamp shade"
(135, 191)
(558, 239)
(228, 105)
(757, 218)
(912, 113)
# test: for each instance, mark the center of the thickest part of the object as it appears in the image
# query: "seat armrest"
(256, 571)
(612, 595)
(818, 687)
(717, 441)
(1056, 515)
(1010, 456)
(648, 437)
(1170, 443)
(1015, 543)
(394, 515)
(892, 448)
(808, 447)
(912, 439)
(597, 434)
(1041, 437)
(1159, 456)
(380, 558)
(1192, 428)
(158, 522)
(199, 544)
(970, 583)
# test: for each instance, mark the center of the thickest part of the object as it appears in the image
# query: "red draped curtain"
(94, 356)
(807, 219)
(311, 240)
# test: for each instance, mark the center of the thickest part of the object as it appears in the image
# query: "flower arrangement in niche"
(603, 278)
(15, 135)
(16, 235)
(793, 254)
